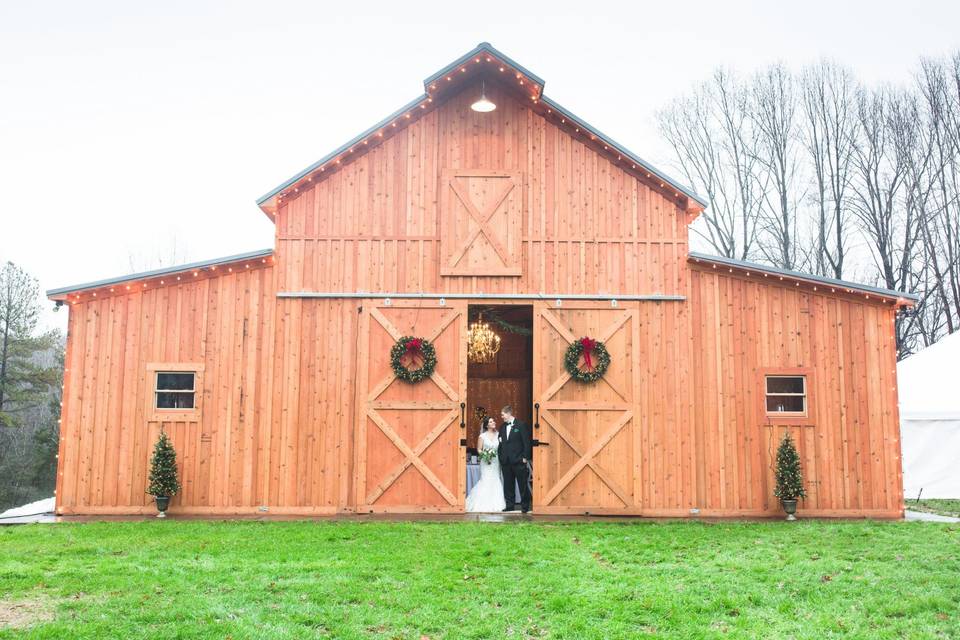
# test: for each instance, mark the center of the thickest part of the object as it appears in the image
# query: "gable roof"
(443, 83)
(741, 267)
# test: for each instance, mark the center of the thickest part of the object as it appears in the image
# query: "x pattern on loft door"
(481, 214)
(552, 412)
(412, 455)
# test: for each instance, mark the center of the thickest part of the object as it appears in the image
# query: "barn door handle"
(536, 415)
(538, 443)
(463, 406)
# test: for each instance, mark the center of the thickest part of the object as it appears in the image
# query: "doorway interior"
(506, 379)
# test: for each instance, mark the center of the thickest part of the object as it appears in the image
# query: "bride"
(487, 494)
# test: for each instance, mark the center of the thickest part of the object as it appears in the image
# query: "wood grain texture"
(586, 225)
(297, 412)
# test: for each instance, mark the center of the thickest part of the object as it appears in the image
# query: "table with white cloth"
(473, 475)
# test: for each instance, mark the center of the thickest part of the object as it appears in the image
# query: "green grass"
(476, 580)
(942, 507)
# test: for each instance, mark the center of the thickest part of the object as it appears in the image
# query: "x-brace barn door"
(481, 222)
(408, 438)
(590, 428)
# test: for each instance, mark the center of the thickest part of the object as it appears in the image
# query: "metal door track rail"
(655, 297)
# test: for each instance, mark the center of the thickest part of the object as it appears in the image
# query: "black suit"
(513, 451)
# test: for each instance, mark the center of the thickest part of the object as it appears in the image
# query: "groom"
(515, 453)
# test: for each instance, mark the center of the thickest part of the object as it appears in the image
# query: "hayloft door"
(409, 456)
(481, 223)
(587, 431)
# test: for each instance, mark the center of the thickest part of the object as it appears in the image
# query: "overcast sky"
(135, 132)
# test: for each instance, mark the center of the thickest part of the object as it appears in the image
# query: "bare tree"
(830, 137)
(939, 85)
(713, 139)
(872, 174)
(882, 166)
(774, 115)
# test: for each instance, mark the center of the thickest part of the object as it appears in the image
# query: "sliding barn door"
(409, 456)
(481, 223)
(588, 432)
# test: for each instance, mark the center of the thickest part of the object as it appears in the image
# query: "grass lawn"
(941, 507)
(477, 580)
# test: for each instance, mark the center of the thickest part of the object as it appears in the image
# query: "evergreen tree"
(788, 472)
(163, 468)
(31, 379)
(24, 381)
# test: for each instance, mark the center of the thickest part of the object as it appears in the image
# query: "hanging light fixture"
(482, 343)
(483, 105)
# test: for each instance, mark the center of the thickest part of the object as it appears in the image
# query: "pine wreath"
(595, 356)
(410, 350)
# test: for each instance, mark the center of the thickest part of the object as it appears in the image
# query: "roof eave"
(676, 184)
(268, 201)
(61, 293)
(900, 297)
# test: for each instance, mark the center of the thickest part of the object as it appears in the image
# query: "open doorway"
(505, 380)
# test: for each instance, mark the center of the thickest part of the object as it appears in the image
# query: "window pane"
(174, 381)
(166, 400)
(784, 384)
(780, 404)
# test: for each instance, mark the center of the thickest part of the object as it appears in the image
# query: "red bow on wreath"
(588, 346)
(413, 346)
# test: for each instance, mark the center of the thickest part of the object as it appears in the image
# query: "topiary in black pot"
(789, 477)
(163, 474)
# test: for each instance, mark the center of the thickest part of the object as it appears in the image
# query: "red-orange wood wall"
(278, 409)
(588, 226)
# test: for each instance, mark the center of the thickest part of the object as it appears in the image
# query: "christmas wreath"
(407, 353)
(595, 356)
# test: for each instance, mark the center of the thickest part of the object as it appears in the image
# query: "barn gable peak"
(480, 63)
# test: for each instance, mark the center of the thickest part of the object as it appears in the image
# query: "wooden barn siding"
(740, 327)
(279, 399)
(588, 226)
(276, 406)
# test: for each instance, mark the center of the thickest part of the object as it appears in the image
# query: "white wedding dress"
(487, 494)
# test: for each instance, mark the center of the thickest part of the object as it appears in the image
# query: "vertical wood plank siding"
(588, 226)
(281, 398)
(274, 424)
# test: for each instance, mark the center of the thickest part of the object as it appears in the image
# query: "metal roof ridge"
(260, 253)
(733, 262)
(489, 48)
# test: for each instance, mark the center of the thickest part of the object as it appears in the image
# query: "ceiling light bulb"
(483, 105)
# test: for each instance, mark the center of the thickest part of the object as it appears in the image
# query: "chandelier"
(482, 342)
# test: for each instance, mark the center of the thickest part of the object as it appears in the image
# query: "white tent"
(929, 389)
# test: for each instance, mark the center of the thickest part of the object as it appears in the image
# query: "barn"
(276, 372)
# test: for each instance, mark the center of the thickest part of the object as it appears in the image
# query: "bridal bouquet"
(488, 455)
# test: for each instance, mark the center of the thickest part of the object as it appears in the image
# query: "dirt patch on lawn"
(20, 614)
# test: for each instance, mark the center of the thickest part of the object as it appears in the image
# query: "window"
(786, 394)
(175, 389)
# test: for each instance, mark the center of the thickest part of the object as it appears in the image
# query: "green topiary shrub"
(163, 468)
(788, 472)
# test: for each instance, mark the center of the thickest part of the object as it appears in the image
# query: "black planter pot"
(164, 501)
(790, 508)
